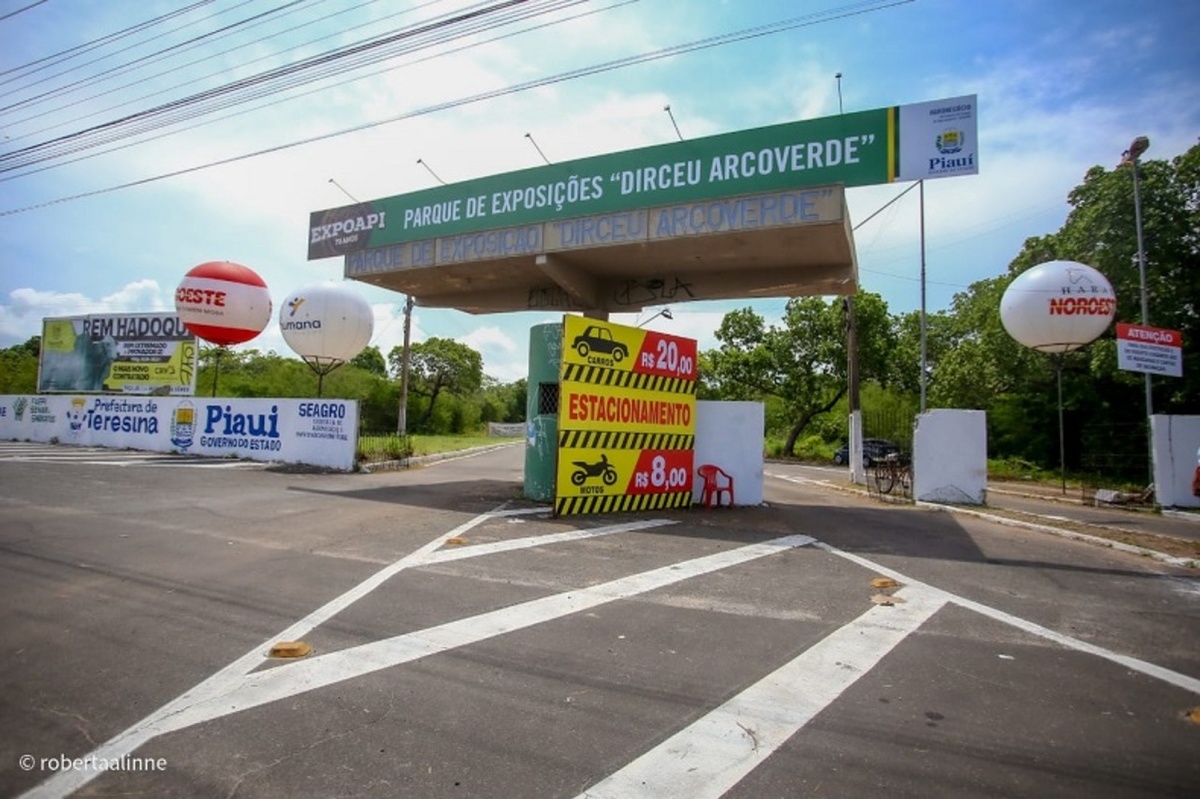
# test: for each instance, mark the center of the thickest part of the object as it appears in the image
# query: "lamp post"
(665, 313)
(1131, 156)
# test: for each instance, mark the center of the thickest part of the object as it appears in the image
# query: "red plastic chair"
(713, 475)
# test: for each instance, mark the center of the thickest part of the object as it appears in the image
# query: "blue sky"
(1061, 86)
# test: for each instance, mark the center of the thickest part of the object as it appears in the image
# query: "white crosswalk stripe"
(32, 452)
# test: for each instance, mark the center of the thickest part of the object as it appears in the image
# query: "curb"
(1069, 534)
(1042, 528)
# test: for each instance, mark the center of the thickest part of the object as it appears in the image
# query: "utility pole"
(857, 473)
(856, 466)
(1132, 155)
(402, 422)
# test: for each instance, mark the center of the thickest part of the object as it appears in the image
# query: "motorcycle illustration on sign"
(585, 471)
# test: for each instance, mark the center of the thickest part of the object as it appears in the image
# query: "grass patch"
(432, 445)
(809, 449)
(1018, 470)
(385, 447)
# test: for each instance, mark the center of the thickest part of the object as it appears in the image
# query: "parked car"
(874, 449)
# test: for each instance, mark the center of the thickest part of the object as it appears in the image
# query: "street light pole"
(1136, 148)
(665, 313)
(1135, 151)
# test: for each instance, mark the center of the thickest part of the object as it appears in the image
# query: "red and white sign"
(1149, 349)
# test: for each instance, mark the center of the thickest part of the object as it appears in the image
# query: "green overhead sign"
(927, 140)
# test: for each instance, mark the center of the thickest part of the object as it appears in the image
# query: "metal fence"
(890, 477)
(893, 424)
(383, 449)
(1114, 460)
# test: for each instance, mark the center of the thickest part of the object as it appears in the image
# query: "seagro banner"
(927, 140)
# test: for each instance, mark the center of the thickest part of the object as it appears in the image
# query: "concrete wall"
(950, 457)
(730, 434)
(318, 432)
(1176, 450)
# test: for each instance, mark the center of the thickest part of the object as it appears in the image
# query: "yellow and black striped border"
(604, 376)
(601, 439)
(613, 503)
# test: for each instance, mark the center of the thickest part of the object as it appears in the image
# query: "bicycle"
(891, 471)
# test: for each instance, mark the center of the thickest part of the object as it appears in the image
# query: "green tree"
(19, 367)
(502, 402)
(1101, 231)
(976, 364)
(371, 360)
(974, 359)
(801, 363)
(437, 366)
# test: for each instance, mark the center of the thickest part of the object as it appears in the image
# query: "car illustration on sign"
(599, 339)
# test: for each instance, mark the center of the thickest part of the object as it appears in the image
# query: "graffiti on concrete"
(649, 291)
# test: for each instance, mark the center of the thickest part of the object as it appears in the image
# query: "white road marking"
(714, 753)
(263, 687)
(1144, 667)
(476, 550)
(232, 676)
(93, 456)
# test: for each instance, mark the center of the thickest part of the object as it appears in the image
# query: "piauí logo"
(950, 141)
(294, 304)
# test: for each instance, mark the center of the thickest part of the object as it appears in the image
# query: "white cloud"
(22, 317)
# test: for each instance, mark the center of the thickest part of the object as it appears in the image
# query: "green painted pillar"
(541, 411)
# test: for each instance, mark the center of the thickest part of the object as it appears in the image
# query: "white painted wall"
(319, 432)
(730, 434)
(858, 473)
(1176, 450)
(950, 457)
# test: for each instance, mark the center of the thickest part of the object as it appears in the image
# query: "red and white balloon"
(223, 303)
(1058, 306)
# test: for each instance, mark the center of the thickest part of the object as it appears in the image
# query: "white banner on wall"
(316, 432)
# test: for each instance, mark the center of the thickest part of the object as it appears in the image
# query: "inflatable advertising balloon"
(223, 303)
(1058, 306)
(326, 324)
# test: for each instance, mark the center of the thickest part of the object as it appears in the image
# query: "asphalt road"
(468, 644)
(1048, 505)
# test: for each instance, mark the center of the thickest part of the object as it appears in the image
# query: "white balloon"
(1058, 306)
(326, 323)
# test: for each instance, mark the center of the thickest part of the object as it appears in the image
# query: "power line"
(701, 44)
(95, 78)
(19, 10)
(129, 67)
(65, 55)
(261, 84)
(151, 128)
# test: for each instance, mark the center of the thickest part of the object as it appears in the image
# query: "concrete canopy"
(742, 215)
(778, 244)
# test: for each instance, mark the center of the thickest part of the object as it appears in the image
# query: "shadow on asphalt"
(893, 530)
